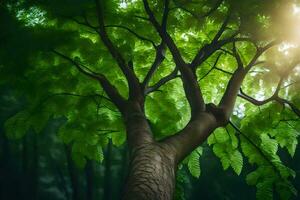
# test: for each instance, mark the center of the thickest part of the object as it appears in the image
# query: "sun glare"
(285, 47)
(125, 3)
(291, 40)
(296, 10)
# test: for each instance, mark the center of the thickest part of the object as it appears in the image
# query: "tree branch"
(83, 23)
(78, 95)
(290, 84)
(227, 102)
(159, 57)
(275, 96)
(213, 67)
(133, 82)
(254, 101)
(192, 135)
(163, 33)
(222, 28)
(259, 52)
(292, 106)
(224, 71)
(236, 55)
(190, 84)
(265, 157)
(132, 32)
(213, 9)
(207, 50)
(199, 17)
(161, 82)
(141, 17)
(110, 89)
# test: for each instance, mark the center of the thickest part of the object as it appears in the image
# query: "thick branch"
(160, 52)
(207, 50)
(133, 82)
(193, 135)
(227, 102)
(163, 33)
(191, 87)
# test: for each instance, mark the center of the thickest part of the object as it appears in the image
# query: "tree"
(164, 76)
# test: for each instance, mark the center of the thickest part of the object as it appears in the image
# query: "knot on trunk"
(219, 113)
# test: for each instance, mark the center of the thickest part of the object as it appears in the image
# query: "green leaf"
(220, 151)
(236, 162)
(252, 178)
(269, 145)
(211, 139)
(291, 147)
(265, 190)
(194, 163)
(221, 135)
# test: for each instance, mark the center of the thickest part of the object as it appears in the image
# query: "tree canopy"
(82, 59)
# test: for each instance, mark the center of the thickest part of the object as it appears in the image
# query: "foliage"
(53, 87)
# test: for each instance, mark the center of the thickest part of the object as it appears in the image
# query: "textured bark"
(151, 173)
(153, 164)
(192, 135)
(137, 127)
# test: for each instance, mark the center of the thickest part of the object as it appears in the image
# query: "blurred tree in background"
(149, 99)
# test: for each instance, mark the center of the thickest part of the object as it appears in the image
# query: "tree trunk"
(73, 174)
(35, 167)
(124, 169)
(24, 154)
(108, 172)
(153, 165)
(151, 173)
(57, 170)
(89, 177)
